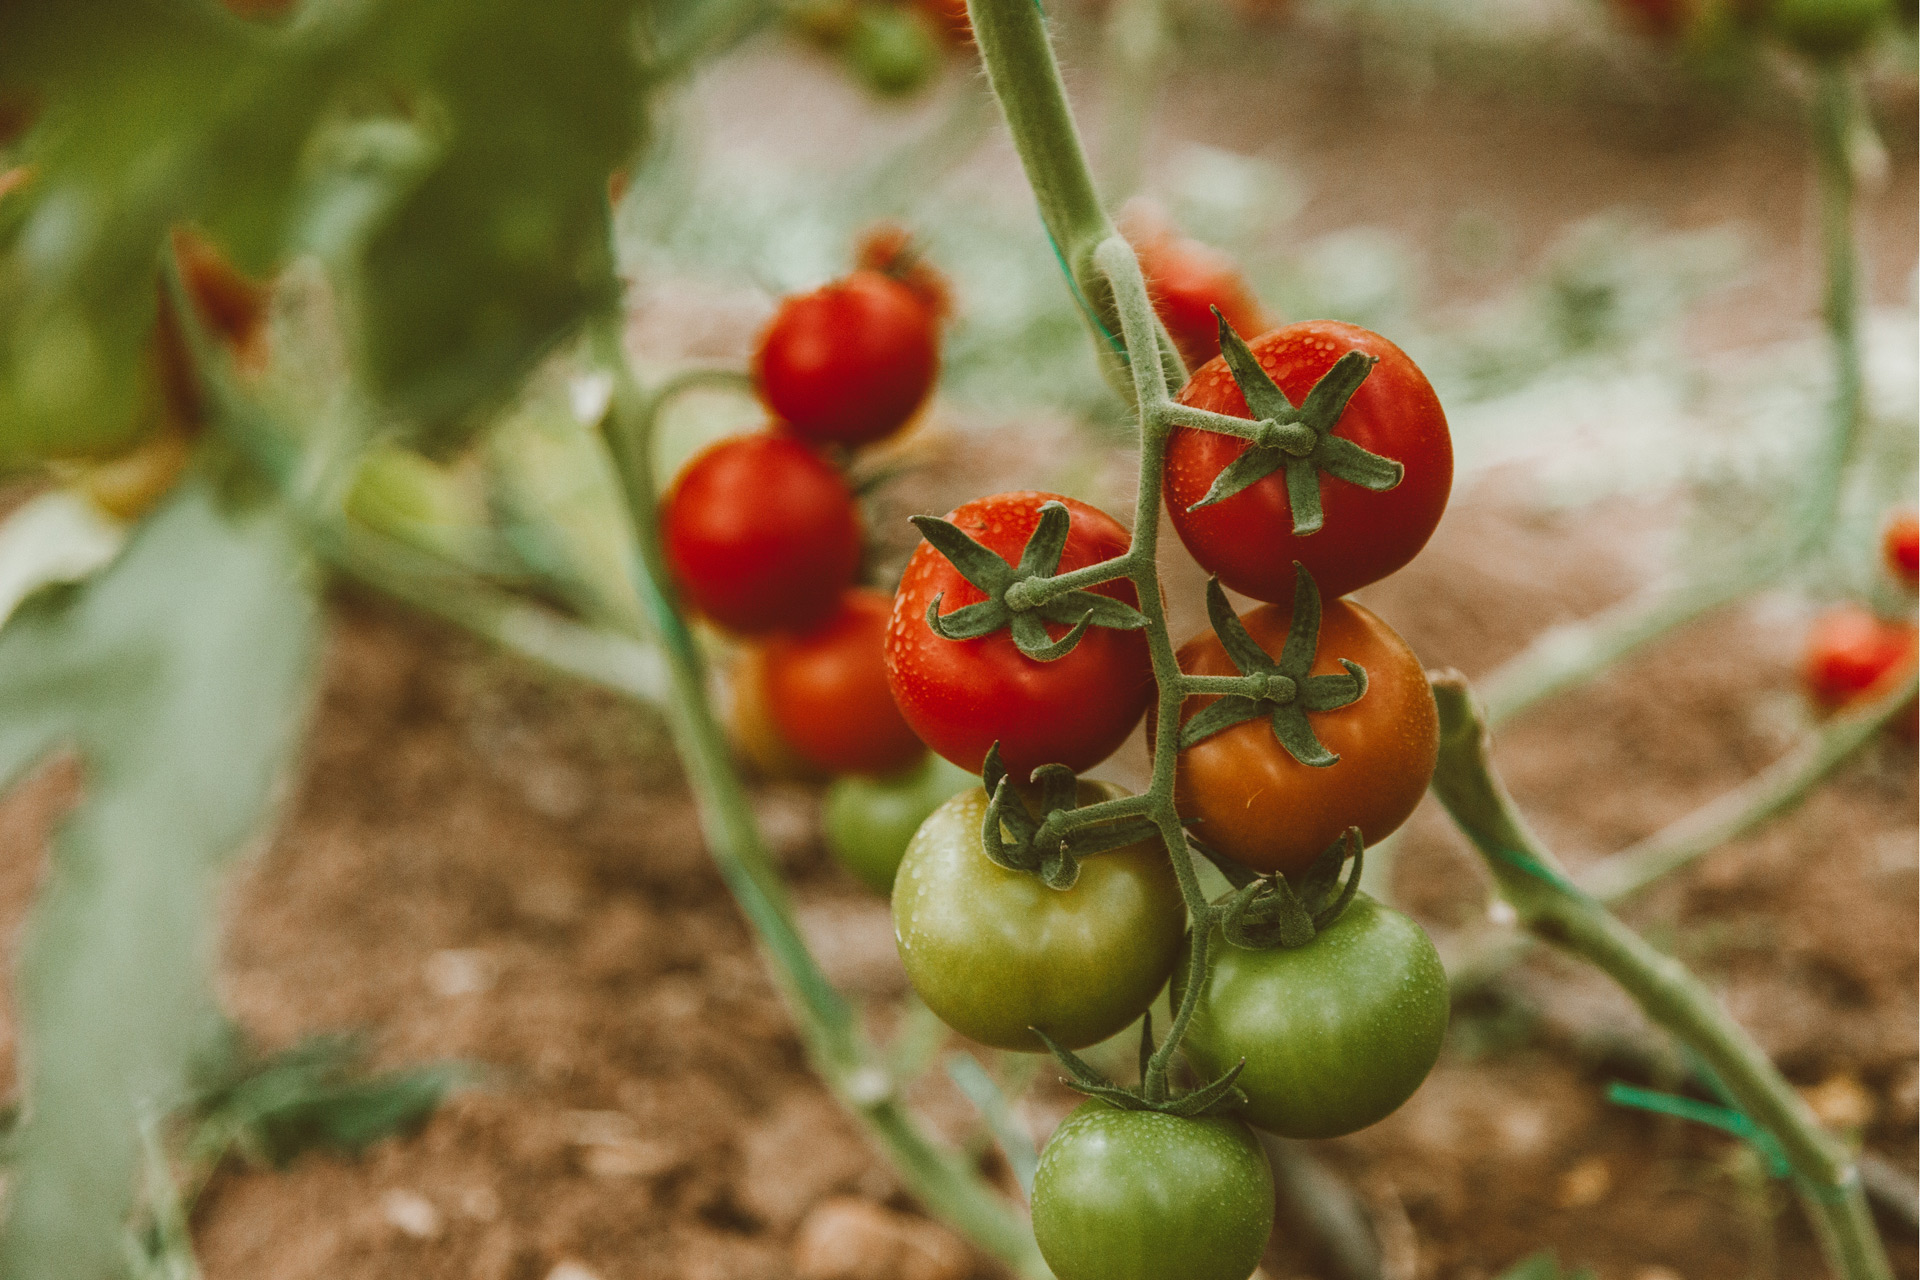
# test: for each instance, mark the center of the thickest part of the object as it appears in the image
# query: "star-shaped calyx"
(1007, 604)
(1298, 439)
(1279, 688)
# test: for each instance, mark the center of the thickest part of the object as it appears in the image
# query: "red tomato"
(1248, 539)
(1256, 803)
(827, 691)
(850, 362)
(1188, 280)
(889, 248)
(761, 534)
(1663, 18)
(961, 696)
(1901, 546)
(230, 304)
(950, 19)
(1852, 655)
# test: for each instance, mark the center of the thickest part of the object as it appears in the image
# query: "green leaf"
(451, 157)
(974, 562)
(180, 675)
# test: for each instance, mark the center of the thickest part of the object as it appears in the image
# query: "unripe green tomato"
(1827, 28)
(1336, 1034)
(892, 50)
(1138, 1195)
(870, 821)
(995, 952)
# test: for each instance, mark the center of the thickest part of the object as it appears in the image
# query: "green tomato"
(1827, 28)
(1138, 1195)
(995, 952)
(1336, 1034)
(891, 49)
(870, 821)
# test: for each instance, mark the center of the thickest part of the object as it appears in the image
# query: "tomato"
(950, 19)
(1141, 1195)
(1827, 28)
(1665, 19)
(1248, 539)
(870, 821)
(889, 248)
(1187, 280)
(1900, 545)
(1257, 804)
(761, 534)
(1852, 656)
(751, 729)
(827, 692)
(892, 49)
(850, 362)
(1336, 1034)
(995, 952)
(962, 696)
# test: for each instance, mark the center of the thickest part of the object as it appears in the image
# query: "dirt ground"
(484, 863)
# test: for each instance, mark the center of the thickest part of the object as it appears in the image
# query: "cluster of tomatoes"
(1327, 1037)
(1854, 655)
(763, 535)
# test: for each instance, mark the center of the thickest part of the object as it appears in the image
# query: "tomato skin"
(868, 822)
(1139, 1195)
(1248, 539)
(1900, 545)
(1336, 1034)
(1256, 803)
(1827, 28)
(750, 728)
(994, 952)
(1853, 655)
(761, 534)
(961, 696)
(850, 362)
(827, 692)
(1186, 280)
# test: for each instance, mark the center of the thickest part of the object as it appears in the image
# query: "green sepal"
(1287, 714)
(1216, 1095)
(1266, 912)
(1300, 440)
(1077, 610)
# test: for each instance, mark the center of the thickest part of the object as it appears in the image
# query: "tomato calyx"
(1017, 598)
(1265, 912)
(1300, 439)
(1051, 847)
(1279, 688)
(1217, 1095)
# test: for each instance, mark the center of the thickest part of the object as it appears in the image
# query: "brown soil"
(482, 863)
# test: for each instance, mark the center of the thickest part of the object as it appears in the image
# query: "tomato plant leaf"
(1241, 648)
(1030, 637)
(968, 622)
(1296, 735)
(1227, 711)
(1303, 632)
(1252, 466)
(179, 674)
(1265, 400)
(1303, 497)
(1104, 611)
(1328, 398)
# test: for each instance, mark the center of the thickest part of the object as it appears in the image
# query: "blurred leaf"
(456, 151)
(316, 1095)
(179, 675)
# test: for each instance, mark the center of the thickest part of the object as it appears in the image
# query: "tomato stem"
(1554, 909)
(1568, 656)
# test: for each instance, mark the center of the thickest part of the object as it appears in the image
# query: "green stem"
(1570, 656)
(1773, 791)
(851, 1067)
(1137, 48)
(1553, 909)
(1025, 78)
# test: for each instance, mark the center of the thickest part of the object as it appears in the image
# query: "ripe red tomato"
(1852, 655)
(761, 534)
(1248, 539)
(961, 696)
(1256, 803)
(950, 19)
(1901, 547)
(1187, 280)
(850, 362)
(890, 249)
(827, 691)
